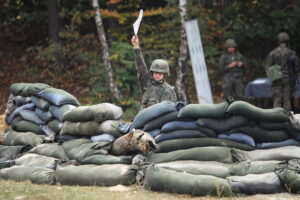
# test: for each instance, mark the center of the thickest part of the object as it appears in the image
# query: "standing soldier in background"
(154, 87)
(281, 68)
(231, 66)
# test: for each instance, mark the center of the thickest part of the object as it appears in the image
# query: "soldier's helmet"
(283, 37)
(230, 43)
(160, 65)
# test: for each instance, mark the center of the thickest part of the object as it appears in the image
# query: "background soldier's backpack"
(274, 73)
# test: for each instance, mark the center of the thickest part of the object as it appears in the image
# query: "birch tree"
(183, 55)
(105, 53)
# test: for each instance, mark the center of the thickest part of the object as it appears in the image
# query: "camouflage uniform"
(153, 91)
(232, 77)
(282, 88)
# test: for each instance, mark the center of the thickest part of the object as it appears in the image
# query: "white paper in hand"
(137, 23)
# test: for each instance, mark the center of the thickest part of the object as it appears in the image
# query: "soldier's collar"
(157, 82)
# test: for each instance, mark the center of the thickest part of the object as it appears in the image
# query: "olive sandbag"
(48, 131)
(262, 135)
(213, 168)
(164, 180)
(179, 134)
(27, 126)
(269, 145)
(81, 128)
(267, 183)
(257, 114)
(154, 132)
(55, 125)
(35, 160)
(51, 150)
(158, 122)
(40, 103)
(14, 138)
(27, 89)
(20, 100)
(63, 138)
(220, 154)
(15, 122)
(28, 106)
(148, 114)
(238, 137)
(101, 159)
(292, 132)
(11, 152)
(186, 143)
(290, 180)
(98, 113)
(197, 111)
(111, 127)
(36, 175)
(257, 167)
(103, 175)
(224, 124)
(79, 149)
(46, 116)
(58, 112)
(58, 97)
(272, 125)
(281, 153)
(30, 115)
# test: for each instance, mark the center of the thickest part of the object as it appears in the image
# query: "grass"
(26, 190)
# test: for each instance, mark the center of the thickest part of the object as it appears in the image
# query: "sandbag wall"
(77, 155)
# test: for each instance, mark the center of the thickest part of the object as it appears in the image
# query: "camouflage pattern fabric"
(282, 89)
(232, 77)
(153, 91)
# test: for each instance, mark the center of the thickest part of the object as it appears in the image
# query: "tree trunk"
(183, 55)
(105, 53)
(53, 20)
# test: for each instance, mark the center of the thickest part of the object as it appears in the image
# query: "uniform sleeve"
(141, 68)
(269, 61)
(173, 96)
(222, 64)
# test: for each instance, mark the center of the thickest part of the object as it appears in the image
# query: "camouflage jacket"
(153, 91)
(283, 56)
(226, 59)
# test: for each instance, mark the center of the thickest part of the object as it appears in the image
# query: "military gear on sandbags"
(283, 37)
(274, 73)
(153, 91)
(230, 43)
(160, 65)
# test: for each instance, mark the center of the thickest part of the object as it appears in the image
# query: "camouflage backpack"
(274, 73)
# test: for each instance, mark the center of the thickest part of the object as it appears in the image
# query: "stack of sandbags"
(38, 108)
(100, 122)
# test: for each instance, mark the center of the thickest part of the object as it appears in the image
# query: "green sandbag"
(79, 149)
(27, 89)
(257, 114)
(158, 122)
(22, 138)
(186, 143)
(212, 168)
(111, 127)
(90, 128)
(36, 175)
(281, 153)
(220, 154)
(272, 125)
(100, 159)
(11, 152)
(164, 180)
(103, 175)
(262, 135)
(223, 125)
(35, 160)
(27, 126)
(292, 132)
(256, 167)
(51, 150)
(58, 111)
(204, 110)
(98, 113)
(55, 126)
(290, 180)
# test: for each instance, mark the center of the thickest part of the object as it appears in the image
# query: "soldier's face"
(158, 76)
(230, 49)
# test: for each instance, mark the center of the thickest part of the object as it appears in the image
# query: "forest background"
(66, 52)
